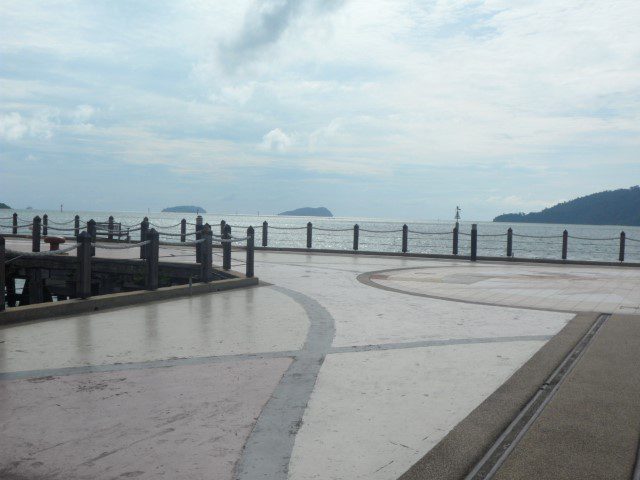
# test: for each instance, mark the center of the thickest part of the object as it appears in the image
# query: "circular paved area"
(544, 287)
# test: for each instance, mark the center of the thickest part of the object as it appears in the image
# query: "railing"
(438, 242)
(149, 245)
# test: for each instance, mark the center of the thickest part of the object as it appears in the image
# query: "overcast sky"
(370, 108)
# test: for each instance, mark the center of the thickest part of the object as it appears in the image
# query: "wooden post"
(206, 266)
(309, 234)
(405, 238)
(222, 224)
(565, 242)
(76, 226)
(623, 237)
(144, 231)
(474, 242)
(250, 252)
(45, 224)
(34, 277)
(2, 272)
(110, 227)
(183, 230)
(265, 233)
(91, 230)
(356, 236)
(510, 242)
(455, 240)
(15, 224)
(152, 257)
(198, 237)
(35, 234)
(83, 282)
(226, 248)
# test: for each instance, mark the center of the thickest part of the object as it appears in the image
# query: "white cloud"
(276, 141)
(14, 127)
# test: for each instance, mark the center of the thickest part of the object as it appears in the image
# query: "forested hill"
(612, 207)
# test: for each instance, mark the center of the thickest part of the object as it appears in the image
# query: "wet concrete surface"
(390, 358)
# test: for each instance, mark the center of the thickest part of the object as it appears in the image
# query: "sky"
(373, 108)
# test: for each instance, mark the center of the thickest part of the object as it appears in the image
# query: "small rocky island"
(4, 205)
(185, 209)
(308, 212)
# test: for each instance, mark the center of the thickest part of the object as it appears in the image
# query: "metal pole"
(510, 242)
(35, 234)
(144, 230)
(45, 224)
(250, 252)
(76, 226)
(226, 248)
(265, 233)
(206, 266)
(455, 240)
(110, 227)
(623, 238)
(356, 236)
(405, 238)
(565, 242)
(309, 234)
(152, 257)
(2, 272)
(183, 230)
(15, 224)
(474, 242)
(199, 227)
(91, 230)
(83, 286)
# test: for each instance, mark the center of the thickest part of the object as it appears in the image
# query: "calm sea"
(586, 242)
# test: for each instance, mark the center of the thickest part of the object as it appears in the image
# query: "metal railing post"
(2, 272)
(226, 248)
(83, 285)
(14, 230)
(250, 252)
(623, 238)
(206, 267)
(309, 234)
(356, 236)
(405, 238)
(91, 230)
(110, 227)
(183, 230)
(265, 233)
(45, 224)
(510, 242)
(565, 244)
(35, 234)
(152, 258)
(144, 230)
(199, 227)
(474, 242)
(455, 240)
(76, 226)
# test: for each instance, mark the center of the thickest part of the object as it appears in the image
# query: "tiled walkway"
(317, 375)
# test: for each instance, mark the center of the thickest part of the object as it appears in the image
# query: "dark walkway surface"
(590, 429)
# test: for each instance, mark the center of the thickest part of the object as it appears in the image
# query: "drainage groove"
(487, 467)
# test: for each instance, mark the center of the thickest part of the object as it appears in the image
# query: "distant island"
(611, 207)
(185, 209)
(4, 205)
(308, 212)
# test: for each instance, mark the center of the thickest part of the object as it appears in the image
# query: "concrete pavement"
(318, 375)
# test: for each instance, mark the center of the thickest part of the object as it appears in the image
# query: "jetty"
(332, 365)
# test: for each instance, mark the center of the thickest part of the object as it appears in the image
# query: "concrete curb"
(76, 306)
(457, 453)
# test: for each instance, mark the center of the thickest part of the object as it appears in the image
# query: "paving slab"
(175, 423)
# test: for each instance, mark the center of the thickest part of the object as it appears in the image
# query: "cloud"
(264, 24)
(83, 113)
(276, 141)
(14, 127)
